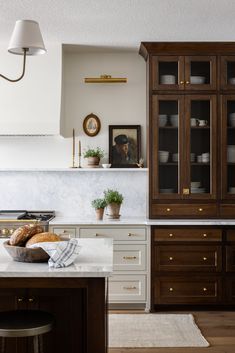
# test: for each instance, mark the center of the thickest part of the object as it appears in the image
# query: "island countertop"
(94, 260)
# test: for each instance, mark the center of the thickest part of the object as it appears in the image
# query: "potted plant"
(114, 200)
(93, 156)
(99, 206)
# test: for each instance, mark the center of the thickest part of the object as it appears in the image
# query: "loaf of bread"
(22, 234)
(42, 237)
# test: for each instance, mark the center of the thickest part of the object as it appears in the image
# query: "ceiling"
(122, 22)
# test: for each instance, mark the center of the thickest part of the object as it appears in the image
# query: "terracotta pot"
(93, 162)
(99, 214)
(113, 210)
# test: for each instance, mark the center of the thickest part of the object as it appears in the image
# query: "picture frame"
(124, 146)
(91, 125)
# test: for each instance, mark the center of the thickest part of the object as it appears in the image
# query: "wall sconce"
(26, 39)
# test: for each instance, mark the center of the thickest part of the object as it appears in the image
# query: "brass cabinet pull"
(130, 234)
(171, 235)
(130, 288)
(20, 300)
(168, 209)
(171, 289)
(31, 300)
(204, 258)
(200, 209)
(171, 258)
(187, 82)
(204, 235)
(129, 257)
(181, 82)
(204, 289)
(185, 191)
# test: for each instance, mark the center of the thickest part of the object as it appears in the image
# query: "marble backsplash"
(71, 193)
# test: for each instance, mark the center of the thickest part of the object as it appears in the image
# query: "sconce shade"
(26, 34)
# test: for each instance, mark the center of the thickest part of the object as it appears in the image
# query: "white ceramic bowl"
(195, 184)
(163, 156)
(167, 79)
(175, 157)
(232, 190)
(174, 119)
(197, 80)
(106, 165)
(231, 80)
(162, 120)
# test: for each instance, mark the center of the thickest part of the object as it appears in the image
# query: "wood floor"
(218, 327)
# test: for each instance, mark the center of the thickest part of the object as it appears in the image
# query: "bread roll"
(36, 229)
(20, 236)
(42, 237)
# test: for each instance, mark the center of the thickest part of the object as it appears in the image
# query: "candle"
(79, 148)
(73, 142)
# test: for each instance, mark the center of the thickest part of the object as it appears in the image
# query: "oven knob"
(11, 231)
(5, 231)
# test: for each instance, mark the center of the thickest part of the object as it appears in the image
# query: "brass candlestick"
(73, 153)
(79, 154)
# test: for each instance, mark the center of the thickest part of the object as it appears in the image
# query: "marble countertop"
(138, 221)
(94, 260)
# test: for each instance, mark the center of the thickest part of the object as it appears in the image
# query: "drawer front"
(122, 234)
(227, 211)
(188, 258)
(127, 288)
(230, 235)
(178, 210)
(187, 234)
(187, 290)
(230, 290)
(67, 232)
(129, 257)
(230, 258)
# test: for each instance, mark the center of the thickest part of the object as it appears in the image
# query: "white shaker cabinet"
(31, 106)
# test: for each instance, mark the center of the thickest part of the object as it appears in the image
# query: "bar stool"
(25, 323)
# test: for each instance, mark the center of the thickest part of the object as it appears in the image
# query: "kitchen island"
(75, 295)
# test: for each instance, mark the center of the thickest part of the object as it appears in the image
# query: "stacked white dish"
(167, 79)
(163, 156)
(162, 120)
(206, 157)
(166, 191)
(197, 80)
(174, 119)
(232, 190)
(231, 154)
(175, 157)
(196, 188)
(192, 157)
(232, 80)
(232, 119)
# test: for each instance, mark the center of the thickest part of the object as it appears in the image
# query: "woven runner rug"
(154, 330)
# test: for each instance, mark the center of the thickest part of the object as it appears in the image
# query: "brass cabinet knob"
(204, 235)
(181, 82)
(5, 231)
(187, 82)
(204, 289)
(11, 231)
(129, 234)
(200, 209)
(31, 300)
(168, 209)
(204, 258)
(20, 300)
(171, 258)
(171, 289)
(171, 235)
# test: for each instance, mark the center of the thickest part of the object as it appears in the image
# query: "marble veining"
(95, 260)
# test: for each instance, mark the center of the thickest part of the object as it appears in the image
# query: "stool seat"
(25, 323)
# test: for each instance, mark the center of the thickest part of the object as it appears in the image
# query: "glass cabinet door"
(168, 73)
(228, 147)
(167, 146)
(200, 142)
(228, 72)
(200, 72)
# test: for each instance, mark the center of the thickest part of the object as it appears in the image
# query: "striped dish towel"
(62, 253)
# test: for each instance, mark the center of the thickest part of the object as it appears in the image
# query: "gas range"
(12, 219)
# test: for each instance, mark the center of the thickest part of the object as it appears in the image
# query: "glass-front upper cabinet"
(200, 72)
(200, 143)
(167, 154)
(228, 147)
(228, 72)
(184, 72)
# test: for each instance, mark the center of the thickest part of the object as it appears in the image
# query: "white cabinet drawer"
(68, 231)
(129, 257)
(115, 233)
(127, 288)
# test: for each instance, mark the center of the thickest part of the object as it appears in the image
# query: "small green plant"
(91, 152)
(113, 196)
(99, 203)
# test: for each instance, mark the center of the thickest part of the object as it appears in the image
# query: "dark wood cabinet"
(191, 129)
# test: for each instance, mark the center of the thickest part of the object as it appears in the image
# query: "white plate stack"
(162, 120)
(167, 79)
(196, 188)
(174, 119)
(163, 156)
(197, 80)
(232, 119)
(231, 154)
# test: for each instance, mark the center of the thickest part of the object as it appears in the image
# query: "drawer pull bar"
(130, 288)
(204, 289)
(204, 258)
(129, 257)
(171, 289)
(171, 258)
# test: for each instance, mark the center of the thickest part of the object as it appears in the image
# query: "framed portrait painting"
(91, 125)
(124, 145)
